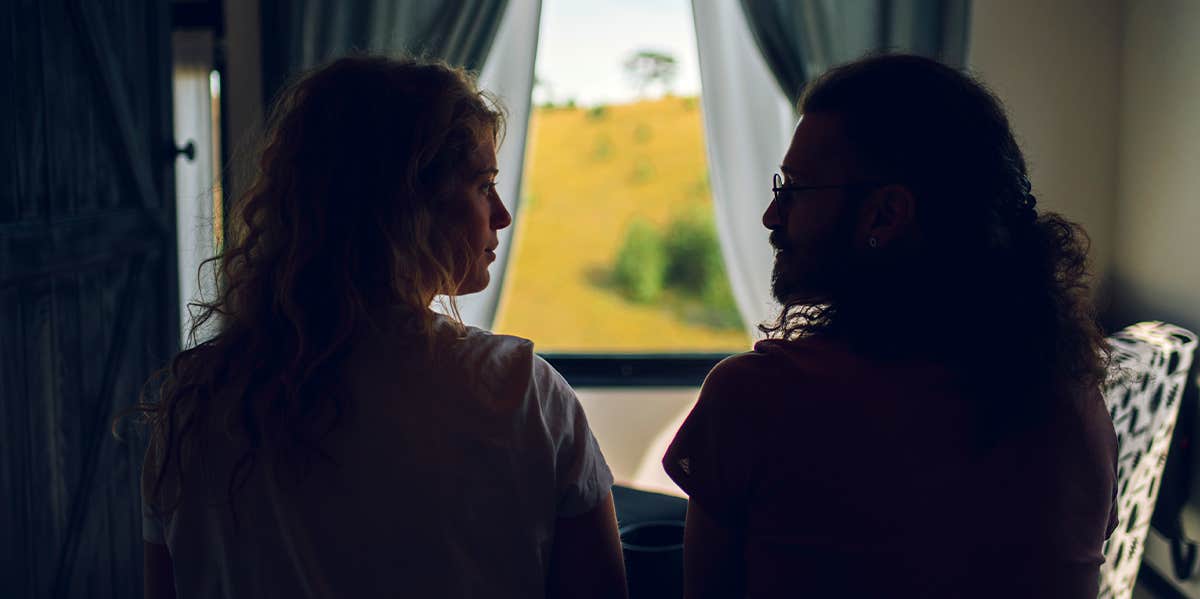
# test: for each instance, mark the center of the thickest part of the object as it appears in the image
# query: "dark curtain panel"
(801, 38)
(298, 34)
(89, 305)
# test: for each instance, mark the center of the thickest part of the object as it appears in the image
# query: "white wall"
(1155, 264)
(1105, 98)
(1055, 66)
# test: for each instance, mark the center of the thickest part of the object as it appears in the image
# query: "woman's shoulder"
(443, 353)
(505, 363)
(480, 346)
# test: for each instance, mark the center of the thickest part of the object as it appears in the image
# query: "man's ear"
(888, 215)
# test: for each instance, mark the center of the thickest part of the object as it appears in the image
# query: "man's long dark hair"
(996, 289)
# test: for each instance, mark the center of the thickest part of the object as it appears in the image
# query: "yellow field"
(587, 176)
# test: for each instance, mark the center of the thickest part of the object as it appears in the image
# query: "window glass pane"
(615, 248)
(198, 210)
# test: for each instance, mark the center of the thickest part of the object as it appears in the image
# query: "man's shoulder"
(740, 366)
(771, 363)
(776, 353)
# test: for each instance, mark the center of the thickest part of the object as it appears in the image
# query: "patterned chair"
(1150, 366)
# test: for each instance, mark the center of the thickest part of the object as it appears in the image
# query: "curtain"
(508, 73)
(802, 38)
(755, 58)
(748, 122)
(299, 34)
(195, 183)
(496, 38)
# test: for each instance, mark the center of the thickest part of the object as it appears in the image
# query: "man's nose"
(770, 217)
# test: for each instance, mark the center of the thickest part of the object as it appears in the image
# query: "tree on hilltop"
(648, 67)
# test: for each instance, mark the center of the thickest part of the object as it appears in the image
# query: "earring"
(874, 243)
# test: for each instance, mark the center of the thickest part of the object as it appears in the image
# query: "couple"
(923, 420)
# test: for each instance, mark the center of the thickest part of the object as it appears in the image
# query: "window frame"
(593, 370)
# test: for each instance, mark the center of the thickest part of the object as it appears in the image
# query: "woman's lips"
(491, 255)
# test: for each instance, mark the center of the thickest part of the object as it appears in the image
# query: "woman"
(337, 438)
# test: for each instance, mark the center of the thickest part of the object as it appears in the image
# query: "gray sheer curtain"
(747, 124)
(508, 73)
(298, 34)
(496, 38)
(755, 56)
(801, 38)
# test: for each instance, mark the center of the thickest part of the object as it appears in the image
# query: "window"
(615, 251)
(198, 196)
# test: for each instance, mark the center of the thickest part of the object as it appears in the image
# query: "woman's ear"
(888, 214)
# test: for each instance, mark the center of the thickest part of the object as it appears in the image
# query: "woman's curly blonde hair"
(345, 221)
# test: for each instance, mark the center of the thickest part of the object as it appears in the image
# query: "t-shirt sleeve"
(1112, 516)
(711, 455)
(1113, 452)
(582, 477)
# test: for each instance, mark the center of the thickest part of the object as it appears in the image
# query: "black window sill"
(634, 370)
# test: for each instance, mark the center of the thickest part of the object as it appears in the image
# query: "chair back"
(1146, 381)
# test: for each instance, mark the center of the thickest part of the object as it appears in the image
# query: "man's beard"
(783, 285)
(810, 273)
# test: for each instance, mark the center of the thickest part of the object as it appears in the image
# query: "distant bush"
(700, 187)
(696, 270)
(640, 263)
(693, 253)
(642, 133)
(643, 170)
(721, 310)
(598, 112)
(690, 102)
(602, 149)
(686, 262)
(570, 105)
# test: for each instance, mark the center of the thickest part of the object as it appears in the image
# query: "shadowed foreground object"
(1150, 362)
(651, 527)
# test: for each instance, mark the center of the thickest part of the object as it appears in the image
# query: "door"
(87, 284)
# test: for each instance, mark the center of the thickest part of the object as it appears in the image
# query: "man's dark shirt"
(849, 477)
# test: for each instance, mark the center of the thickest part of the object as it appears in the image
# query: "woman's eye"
(490, 185)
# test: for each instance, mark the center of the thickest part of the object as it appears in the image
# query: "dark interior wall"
(1060, 88)
(241, 91)
(1155, 266)
(87, 307)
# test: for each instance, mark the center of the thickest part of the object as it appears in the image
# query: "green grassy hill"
(590, 173)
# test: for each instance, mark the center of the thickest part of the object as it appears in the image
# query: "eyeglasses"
(779, 187)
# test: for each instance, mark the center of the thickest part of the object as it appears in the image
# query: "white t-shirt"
(445, 480)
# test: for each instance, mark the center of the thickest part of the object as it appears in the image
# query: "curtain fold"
(299, 34)
(496, 38)
(508, 73)
(748, 122)
(802, 38)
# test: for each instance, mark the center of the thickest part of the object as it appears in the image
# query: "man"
(924, 419)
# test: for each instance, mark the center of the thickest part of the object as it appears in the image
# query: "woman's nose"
(501, 217)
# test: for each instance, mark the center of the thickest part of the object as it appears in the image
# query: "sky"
(583, 43)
